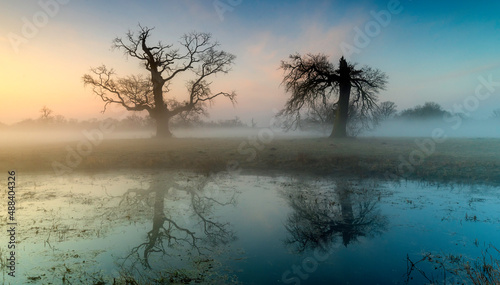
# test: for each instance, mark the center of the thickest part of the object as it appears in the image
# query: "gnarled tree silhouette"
(312, 79)
(320, 217)
(200, 235)
(198, 57)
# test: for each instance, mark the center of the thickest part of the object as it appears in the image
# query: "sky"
(441, 52)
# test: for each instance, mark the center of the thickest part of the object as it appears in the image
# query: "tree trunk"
(163, 127)
(342, 113)
(154, 236)
(348, 229)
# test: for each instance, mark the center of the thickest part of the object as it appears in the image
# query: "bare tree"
(46, 114)
(197, 56)
(386, 110)
(319, 217)
(195, 231)
(312, 79)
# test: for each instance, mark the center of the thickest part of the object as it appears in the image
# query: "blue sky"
(430, 51)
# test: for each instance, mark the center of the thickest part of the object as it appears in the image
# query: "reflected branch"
(322, 215)
(170, 232)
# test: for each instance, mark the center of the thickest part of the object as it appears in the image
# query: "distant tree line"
(49, 120)
(320, 117)
(429, 110)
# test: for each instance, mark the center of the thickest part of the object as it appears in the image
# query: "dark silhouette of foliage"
(198, 57)
(429, 110)
(386, 110)
(313, 81)
(195, 231)
(322, 217)
(46, 114)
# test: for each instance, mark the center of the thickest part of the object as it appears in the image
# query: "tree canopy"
(198, 57)
(430, 110)
(313, 81)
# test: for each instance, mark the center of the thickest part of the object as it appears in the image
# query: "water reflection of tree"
(323, 213)
(199, 234)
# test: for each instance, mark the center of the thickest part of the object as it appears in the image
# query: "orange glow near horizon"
(44, 76)
(35, 79)
(48, 68)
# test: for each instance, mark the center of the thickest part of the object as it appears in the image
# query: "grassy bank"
(454, 160)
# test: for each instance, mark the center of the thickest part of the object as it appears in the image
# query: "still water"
(187, 228)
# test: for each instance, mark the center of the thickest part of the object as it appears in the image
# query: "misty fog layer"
(488, 128)
(34, 136)
(424, 128)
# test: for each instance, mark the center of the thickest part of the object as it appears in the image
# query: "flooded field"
(149, 226)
